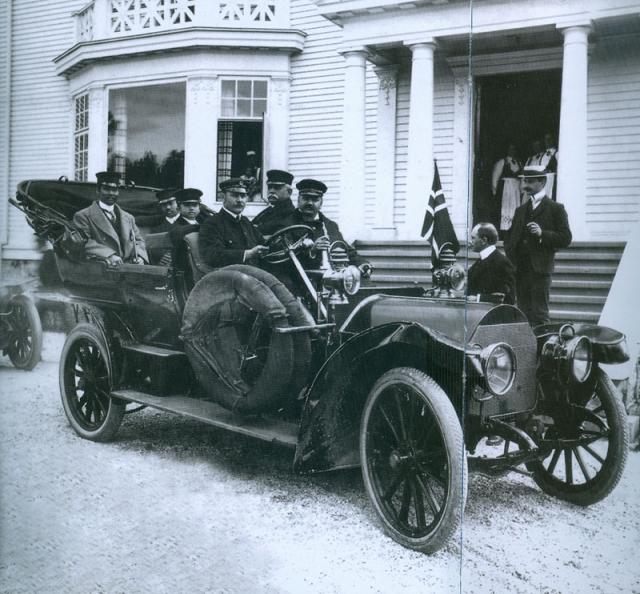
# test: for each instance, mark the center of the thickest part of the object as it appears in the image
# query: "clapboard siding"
(443, 106)
(317, 99)
(613, 129)
(40, 116)
(371, 149)
(5, 73)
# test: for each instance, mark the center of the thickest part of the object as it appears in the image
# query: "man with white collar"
(540, 228)
(492, 273)
(112, 233)
(169, 207)
(228, 237)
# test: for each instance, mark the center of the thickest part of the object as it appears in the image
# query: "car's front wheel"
(413, 460)
(85, 385)
(25, 342)
(586, 445)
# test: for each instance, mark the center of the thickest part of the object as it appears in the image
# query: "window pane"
(244, 89)
(227, 108)
(146, 134)
(244, 108)
(260, 89)
(228, 88)
(259, 107)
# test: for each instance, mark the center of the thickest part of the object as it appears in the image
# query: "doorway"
(510, 109)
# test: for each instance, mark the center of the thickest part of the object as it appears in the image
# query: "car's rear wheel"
(413, 460)
(587, 447)
(25, 342)
(85, 385)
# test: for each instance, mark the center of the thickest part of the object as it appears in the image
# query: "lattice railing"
(114, 18)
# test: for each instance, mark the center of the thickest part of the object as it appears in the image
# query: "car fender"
(330, 424)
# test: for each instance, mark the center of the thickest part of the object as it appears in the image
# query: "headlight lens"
(351, 280)
(579, 357)
(499, 367)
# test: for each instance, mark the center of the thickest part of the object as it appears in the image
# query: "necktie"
(110, 215)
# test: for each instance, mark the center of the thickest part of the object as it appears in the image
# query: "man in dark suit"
(492, 273)
(228, 237)
(280, 206)
(112, 234)
(540, 228)
(324, 230)
(169, 207)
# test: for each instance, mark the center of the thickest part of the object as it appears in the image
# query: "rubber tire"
(451, 431)
(297, 315)
(211, 295)
(35, 325)
(115, 412)
(611, 472)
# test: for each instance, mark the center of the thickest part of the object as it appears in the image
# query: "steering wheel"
(289, 238)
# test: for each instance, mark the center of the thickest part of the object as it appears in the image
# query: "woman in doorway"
(505, 187)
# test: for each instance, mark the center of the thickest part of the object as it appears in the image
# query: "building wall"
(442, 137)
(5, 74)
(613, 149)
(40, 116)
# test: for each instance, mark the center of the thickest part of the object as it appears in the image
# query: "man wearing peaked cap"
(280, 205)
(190, 217)
(540, 228)
(325, 231)
(228, 237)
(169, 207)
(112, 234)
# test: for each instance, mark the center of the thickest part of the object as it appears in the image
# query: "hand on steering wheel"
(286, 239)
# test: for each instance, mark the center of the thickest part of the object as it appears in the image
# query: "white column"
(572, 144)
(277, 156)
(420, 158)
(98, 130)
(386, 152)
(201, 136)
(119, 142)
(353, 146)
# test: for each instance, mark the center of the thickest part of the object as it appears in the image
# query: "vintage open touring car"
(403, 382)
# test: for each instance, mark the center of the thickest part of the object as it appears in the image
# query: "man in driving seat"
(112, 233)
(280, 205)
(324, 230)
(228, 237)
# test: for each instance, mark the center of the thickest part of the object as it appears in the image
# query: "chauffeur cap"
(166, 195)
(188, 195)
(534, 171)
(235, 183)
(278, 177)
(108, 177)
(311, 186)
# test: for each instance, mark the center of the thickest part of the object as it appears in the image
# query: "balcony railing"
(103, 19)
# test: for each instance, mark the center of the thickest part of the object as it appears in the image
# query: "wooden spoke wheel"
(25, 340)
(413, 460)
(587, 447)
(85, 385)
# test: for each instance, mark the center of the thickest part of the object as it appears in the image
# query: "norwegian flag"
(437, 227)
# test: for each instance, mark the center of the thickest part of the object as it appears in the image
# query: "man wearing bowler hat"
(112, 233)
(169, 208)
(324, 230)
(280, 206)
(228, 237)
(540, 228)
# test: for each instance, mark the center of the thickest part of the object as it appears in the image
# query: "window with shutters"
(81, 138)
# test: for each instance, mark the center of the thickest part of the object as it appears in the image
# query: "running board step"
(261, 427)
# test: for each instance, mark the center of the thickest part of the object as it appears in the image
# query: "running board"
(261, 427)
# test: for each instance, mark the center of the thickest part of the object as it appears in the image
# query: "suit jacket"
(224, 239)
(103, 240)
(320, 227)
(494, 274)
(556, 234)
(270, 220)
(164, 226)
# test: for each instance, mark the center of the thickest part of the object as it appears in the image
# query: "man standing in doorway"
(540, 228)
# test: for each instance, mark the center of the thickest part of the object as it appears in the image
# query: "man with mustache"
(280, 206)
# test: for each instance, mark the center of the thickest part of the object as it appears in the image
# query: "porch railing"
(103, 19)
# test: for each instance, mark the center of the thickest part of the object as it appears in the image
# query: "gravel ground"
(176, 506)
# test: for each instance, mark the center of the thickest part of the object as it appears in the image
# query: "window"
(81, 138)
(241, 132)
(146, 134)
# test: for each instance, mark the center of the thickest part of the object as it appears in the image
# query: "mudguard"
(328, 437)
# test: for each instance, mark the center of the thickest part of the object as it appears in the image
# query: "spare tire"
(297, 315)
(227, 328)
